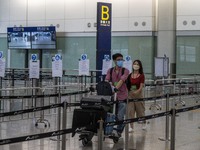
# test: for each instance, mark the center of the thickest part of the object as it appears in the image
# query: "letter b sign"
(105, 13)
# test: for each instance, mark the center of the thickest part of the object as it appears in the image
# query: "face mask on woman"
(136, 67)
(120, 63)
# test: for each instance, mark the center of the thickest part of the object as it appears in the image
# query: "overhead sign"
(104, 15)
(41, 37)
(31, 29)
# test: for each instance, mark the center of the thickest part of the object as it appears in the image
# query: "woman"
(135, 83)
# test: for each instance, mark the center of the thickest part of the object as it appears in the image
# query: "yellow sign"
(105, 13)
(105, 18)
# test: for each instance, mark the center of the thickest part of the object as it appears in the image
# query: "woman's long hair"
(140, 64)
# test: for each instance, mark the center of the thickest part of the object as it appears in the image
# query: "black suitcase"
(97, 102)
(103, 99)
(87, 118)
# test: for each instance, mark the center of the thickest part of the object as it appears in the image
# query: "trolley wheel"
(45, 125)
(115, 140)
(36, 124)
(85, 141)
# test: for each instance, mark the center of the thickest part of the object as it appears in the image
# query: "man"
(117, 77)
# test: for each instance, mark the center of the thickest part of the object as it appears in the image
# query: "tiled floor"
(187, 134)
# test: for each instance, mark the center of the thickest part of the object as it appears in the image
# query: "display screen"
(19, 40)
(32, 38)
(43, 40)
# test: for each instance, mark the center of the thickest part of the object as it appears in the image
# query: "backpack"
(128, 83)
(104, 88)
(111, 71)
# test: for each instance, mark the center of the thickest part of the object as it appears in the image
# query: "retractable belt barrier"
(150, 116)
(44, 95)
(71, 130)
(35, 136)
(137, 119)
(177, 83)
(90, 103)
(19, 112)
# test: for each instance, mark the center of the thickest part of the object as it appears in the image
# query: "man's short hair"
(114, 56)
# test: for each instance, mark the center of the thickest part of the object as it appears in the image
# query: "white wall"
(188, 14)
(74, 15)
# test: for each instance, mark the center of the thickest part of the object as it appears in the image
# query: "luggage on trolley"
(94, 108)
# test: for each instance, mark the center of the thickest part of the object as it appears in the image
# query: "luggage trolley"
(94, 108)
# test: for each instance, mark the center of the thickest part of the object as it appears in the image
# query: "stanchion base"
(44, 121)
(180, 103)
(155, 106)
(163, 139)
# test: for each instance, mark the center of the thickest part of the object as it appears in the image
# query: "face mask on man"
(136, 67)
(120, 63)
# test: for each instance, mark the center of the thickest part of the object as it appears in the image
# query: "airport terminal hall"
(99, 74)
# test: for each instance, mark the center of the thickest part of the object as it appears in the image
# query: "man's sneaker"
(144, 127)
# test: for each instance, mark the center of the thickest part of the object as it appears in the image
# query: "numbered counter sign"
(128, 58)
(57, 57)
(83, 56)
(34, 57)
(107, 57)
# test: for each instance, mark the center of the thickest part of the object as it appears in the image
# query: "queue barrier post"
(100, 134)
(64, 123)
(173, 129)
(167, 138)
(126, 127)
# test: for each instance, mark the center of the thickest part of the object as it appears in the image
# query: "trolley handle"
(115, 99)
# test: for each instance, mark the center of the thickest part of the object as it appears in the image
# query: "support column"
(166, 26)
(104, 18)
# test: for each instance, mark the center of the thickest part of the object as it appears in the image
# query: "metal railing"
(39, 93)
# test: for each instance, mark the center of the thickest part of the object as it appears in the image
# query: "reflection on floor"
(187, 134)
